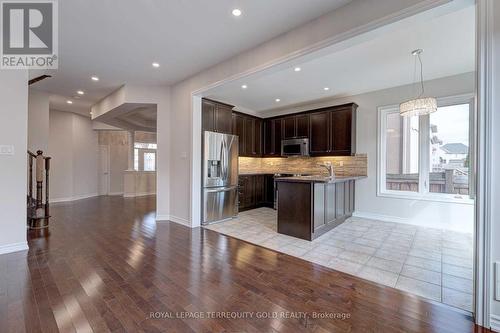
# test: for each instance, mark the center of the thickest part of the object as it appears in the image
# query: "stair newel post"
(39, 180)
(47, 168)
(30, 176)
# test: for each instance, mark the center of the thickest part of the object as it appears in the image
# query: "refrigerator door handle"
(225, 189)
(225, 160)
(222, 160)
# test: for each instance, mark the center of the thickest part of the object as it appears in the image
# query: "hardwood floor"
(108, 267)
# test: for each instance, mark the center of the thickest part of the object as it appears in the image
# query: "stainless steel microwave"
(295, 147)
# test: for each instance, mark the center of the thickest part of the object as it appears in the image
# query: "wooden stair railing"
(38, 212)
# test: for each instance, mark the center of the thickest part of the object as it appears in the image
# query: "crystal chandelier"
(421, 105)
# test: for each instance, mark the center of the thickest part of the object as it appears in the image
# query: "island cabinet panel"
(320, 207)
(330, 204)
(294, 209)
(340, 199)
(307, 210)
(216, 117)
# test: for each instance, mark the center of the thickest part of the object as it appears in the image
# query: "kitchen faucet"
(328, 165)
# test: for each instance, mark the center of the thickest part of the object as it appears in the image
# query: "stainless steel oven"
(295, 147)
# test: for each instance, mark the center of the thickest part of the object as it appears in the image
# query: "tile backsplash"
(344, 165)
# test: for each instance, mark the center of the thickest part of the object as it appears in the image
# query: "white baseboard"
(77, 197)
(9, 248)
(380, 217)
(139, 194)
(495, 322)
(175, 219)
(115, 193)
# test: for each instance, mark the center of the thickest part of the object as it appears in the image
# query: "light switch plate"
(6, 150)
(497, 281)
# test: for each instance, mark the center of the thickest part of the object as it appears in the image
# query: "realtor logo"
(29, 37)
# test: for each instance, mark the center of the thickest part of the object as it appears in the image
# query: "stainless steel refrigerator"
(220, 177)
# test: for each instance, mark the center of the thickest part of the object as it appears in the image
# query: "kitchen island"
(309, 206)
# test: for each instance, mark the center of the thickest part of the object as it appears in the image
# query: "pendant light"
(421, 105)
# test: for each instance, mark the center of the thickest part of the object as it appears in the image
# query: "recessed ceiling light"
(277, 100)
(236, 12)
(95, 78)
(80, 92)
(297, 69)
(69, 102)
(244, 86)
(326, 88)
(155, 64)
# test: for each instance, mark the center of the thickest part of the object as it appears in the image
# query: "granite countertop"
(255, 173)
(318, 179)
(250, 173)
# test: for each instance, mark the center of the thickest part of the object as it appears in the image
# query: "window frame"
(424, 154)
(142, 148)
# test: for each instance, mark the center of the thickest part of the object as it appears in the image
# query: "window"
(402, 150)
(149, 161)
(145, 156)
(426, 157)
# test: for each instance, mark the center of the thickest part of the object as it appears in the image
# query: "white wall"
(495, 161)
(117, 143)
(454, 216)
(131, 95)
(353, 19)
(73, 147)
(38, 121)
(13, 168)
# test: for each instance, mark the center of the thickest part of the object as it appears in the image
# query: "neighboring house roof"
(455, 148)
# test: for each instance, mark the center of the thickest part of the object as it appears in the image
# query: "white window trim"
(424, 161)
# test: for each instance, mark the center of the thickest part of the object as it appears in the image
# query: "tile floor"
(433, 263)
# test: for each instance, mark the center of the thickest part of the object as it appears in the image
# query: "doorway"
(103, 170)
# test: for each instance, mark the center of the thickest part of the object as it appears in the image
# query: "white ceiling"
(373, 64)
(118, 40)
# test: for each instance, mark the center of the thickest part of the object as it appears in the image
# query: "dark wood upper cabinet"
(333, 131)
(343, 131)
(296, 126)
(272, 137)
(268, 137)
(208, 115)
(302, 126)
(239, 130)
(249, 132)
(257, 140)
(319, 140)
(223, 118)
(248, 137)
(289, 126)
(216, 117)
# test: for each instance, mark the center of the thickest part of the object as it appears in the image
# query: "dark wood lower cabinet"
(255, 191)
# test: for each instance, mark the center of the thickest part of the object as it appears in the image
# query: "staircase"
(38, 206)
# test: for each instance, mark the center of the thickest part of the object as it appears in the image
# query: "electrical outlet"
(497, 281)
(341, 163)
(6, 150)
